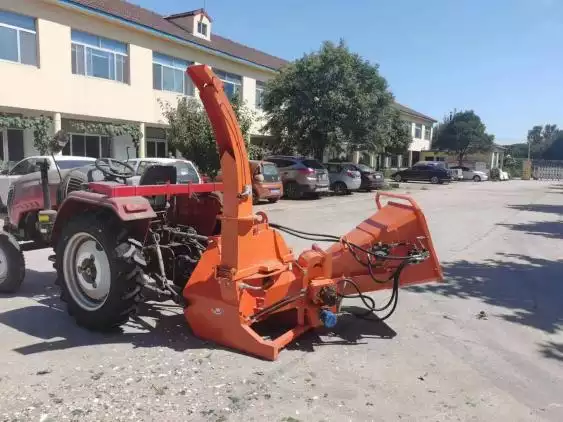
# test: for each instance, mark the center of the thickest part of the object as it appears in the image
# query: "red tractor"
(229, 268)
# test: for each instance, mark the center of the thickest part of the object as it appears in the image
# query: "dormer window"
(202, 28)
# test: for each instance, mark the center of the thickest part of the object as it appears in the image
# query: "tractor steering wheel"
(110, 167)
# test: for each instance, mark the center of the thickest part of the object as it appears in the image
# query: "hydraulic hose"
(371, 258)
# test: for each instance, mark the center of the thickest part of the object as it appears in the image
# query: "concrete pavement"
(485, 345)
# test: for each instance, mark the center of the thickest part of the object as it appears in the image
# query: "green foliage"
(109, 129)
(325, 99)
(40, 125)
(398, 137)
(462, 133)
(555, 150)
(541, 141)
(494, 174)
(517, 150)
(513, 165)
(190, 132)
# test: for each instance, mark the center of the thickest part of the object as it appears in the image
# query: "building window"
(418, 131)
(169, 74)
(99, 57)
(427, 130)
(260, 86)
(95, 146)
(409, 127)
(232, 83)
(156, 148)
(18, 38)
(11, 147)
(202, 28)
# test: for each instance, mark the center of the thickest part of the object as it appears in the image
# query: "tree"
(540, 138)
(462, 133)
(555, 150)
(325, 99)
(190, 132)
(399, 137)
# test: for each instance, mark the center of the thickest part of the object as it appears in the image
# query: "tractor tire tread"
(125, 291)
(15, 272)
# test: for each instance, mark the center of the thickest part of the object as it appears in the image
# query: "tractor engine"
(172, 253)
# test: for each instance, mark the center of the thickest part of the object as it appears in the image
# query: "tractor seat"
(158, 175)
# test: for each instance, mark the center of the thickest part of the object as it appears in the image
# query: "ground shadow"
(46, 318)
(544, 208)
(549, 229)
(552, 350)
(350, 330)
(158, 325)
(530, 288)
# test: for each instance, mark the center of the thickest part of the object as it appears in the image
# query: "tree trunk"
(460, 159)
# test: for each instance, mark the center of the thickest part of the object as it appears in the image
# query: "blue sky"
(501, 58)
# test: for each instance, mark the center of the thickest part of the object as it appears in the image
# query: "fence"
(547, 170)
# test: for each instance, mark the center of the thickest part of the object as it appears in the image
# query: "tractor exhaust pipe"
(45, 185)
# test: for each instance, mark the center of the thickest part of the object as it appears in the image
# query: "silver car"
(344, 178)
(300, 175)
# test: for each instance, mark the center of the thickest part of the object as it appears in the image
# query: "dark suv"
(300, 175)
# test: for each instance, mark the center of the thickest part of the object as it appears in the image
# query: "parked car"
(469, 174)
(186, 172)
(456, 173)
(301, 175)
(371, 179)
(266, 181)
(431, 171)
(33, 164)
(344, 177)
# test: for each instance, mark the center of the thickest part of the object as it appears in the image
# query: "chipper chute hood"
(249, 276)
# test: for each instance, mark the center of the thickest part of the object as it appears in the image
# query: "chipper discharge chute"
(249, 276)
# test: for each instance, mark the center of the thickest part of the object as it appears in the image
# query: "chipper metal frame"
(248, 274)
(108, 235)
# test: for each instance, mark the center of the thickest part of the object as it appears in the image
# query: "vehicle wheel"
(12, 264)
(476, 178)
(98, 272)
(339, 188)
(291, 189)
(398, 178)
(434, 180)
(273, 200)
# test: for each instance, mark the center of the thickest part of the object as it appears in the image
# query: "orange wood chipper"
(113, 240)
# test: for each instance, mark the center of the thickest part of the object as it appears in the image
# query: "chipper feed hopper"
(228, 267)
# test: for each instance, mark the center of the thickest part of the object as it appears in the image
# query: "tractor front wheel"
(12, 264)
(98, 275)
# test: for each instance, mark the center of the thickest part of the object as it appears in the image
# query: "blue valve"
(328, 318)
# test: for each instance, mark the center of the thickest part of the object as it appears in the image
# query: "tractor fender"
(131, 209)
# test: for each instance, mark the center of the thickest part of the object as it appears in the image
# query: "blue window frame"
(169, 74)
(232, 83)
(99, 57)
(18, 38)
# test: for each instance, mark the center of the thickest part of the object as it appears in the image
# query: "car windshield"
(314, 164)
(186, 172)
(70, 164)
(269, 170)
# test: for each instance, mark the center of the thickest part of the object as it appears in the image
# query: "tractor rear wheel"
(12, 264)
(98, 275)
